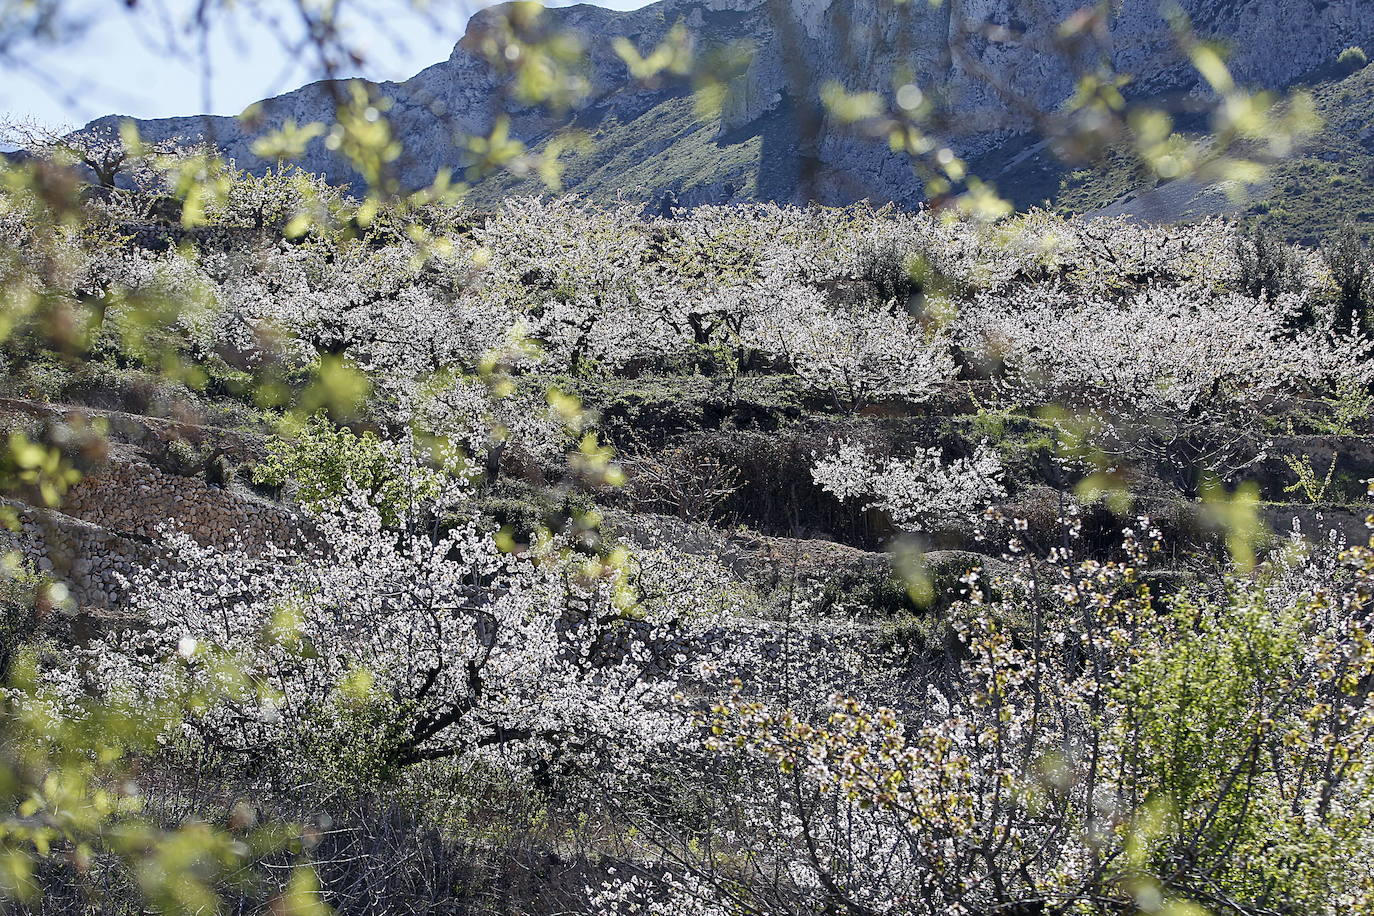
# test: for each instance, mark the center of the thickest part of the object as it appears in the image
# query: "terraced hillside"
(553, 559)
(719, 433)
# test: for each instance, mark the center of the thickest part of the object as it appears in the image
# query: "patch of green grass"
(668, 146)
(1310, 194)
(912, 636)
(522, 510)
(863, 592)
(1025, 445)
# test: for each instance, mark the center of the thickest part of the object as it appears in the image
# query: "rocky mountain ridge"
(981, 62)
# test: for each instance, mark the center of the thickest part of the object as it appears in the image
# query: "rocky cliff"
(982, 63)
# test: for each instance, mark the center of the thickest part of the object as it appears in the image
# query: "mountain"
(1308, 195)
(981, 64)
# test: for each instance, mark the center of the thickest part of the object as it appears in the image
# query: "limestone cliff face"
(979, 79)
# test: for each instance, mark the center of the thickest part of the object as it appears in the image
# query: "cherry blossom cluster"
(862, 305)
(414, 649)
(916, 492)
(1177, 352)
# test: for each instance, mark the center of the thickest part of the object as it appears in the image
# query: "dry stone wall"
(92, 561)
(149, 434)
(137, 500)
(109, 524)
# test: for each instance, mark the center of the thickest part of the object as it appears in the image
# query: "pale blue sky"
(149, 64)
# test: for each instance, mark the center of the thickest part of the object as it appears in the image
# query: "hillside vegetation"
(1306, 198)
(756, 560)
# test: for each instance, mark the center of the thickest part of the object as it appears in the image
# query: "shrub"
(894, 271)
(1352, 59)
(1350, 261)
(1268, 266)
(181, 457)
(219, 471)
(24, 595)
(692, 487)
(322, 463)
(1208, 733)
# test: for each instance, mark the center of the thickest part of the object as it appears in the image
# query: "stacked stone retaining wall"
(109, 524)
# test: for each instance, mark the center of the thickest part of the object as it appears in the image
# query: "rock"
(862, 44)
